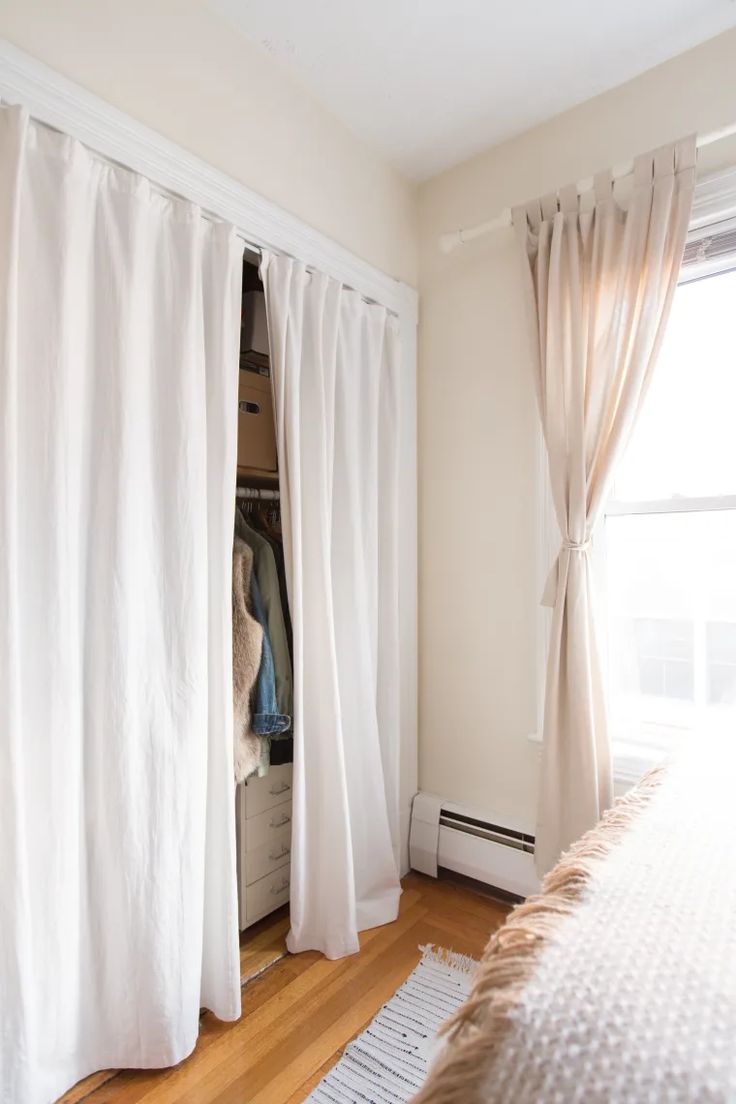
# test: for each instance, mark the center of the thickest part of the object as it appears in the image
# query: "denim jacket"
(266, 719)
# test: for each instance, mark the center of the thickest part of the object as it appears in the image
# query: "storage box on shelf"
(256, 432)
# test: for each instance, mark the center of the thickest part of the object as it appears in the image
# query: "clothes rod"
(449, 242)
(258, 493)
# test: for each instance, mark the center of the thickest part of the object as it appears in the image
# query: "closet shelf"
(256, 477)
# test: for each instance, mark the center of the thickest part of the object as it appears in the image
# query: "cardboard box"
(254, 328)
(256, 428)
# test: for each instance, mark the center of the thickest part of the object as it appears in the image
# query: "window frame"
(683, 504)
(629, 766)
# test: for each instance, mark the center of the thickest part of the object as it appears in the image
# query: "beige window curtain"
(600, 279)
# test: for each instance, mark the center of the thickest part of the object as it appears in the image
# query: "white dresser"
(263, 824)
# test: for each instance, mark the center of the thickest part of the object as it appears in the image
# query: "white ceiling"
(431, 82)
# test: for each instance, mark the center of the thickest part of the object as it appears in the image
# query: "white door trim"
(59, 102)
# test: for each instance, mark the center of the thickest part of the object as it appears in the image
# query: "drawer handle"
(279, 854)
(279, 823)
(275, 890)
(281, 789)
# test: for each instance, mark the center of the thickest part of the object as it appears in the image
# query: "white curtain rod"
(449, 242)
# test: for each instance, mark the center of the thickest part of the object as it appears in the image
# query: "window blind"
(711, 248)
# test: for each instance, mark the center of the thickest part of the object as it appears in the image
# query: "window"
(669, 535)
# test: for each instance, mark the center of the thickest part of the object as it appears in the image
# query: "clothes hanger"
(264, 515)
(275, 520)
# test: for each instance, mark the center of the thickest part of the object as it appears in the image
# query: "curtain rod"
(258, 493)
(449, 242)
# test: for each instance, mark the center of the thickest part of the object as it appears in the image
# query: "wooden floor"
(301, 1011)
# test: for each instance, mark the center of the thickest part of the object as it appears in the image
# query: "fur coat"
(247, 644)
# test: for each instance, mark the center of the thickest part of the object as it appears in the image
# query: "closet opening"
(262, 645)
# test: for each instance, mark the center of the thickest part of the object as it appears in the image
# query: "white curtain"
(600, 280)
(334, 363)
(119, 327)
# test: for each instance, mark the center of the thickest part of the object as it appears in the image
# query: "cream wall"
(176, 66)
(479, 579)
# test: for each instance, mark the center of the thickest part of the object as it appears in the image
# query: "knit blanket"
(617, 984)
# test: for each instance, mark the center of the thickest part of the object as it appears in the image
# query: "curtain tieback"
(576, 546)
(550, 587)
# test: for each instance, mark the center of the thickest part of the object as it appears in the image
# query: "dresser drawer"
(266, 828)
(263, 860)
(266, 894)
(267, 792)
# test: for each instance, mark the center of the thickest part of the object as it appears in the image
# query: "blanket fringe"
(475, 1032)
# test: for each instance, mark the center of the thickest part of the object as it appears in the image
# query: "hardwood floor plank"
(300, 1013)
(270, 948)
(296, 1004)
(306, 1087)
(83, 1088)
(292, 1058)
(135, 1086)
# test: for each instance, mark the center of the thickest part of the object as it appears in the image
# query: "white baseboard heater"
(480, 847)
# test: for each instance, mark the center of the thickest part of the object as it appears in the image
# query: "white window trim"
(683, 504)
(714, 202)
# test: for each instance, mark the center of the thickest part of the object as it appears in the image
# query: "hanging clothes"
(247, 654)
(279, 747)
(277, 547)
(266, 719)
(282, 750)
(267, 577)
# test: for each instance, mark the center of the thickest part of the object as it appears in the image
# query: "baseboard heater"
(444, 835)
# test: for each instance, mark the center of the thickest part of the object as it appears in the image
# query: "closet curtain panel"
(118, 398)
(600, 280)
(334, 365)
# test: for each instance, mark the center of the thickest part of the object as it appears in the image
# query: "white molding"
(52, 99)
(408, 589)
(60, 103)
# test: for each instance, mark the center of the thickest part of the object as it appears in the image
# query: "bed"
(617, 983)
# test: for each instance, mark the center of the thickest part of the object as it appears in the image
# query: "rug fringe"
(464, 964)
(476, 1031)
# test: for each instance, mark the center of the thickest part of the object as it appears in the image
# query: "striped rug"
(388, 1062)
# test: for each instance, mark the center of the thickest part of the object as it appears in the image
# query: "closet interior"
(262, 637)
